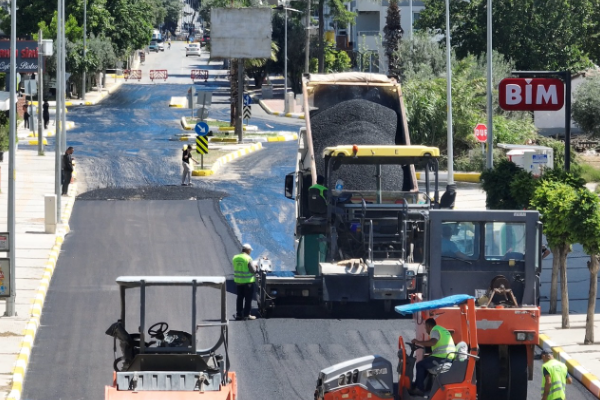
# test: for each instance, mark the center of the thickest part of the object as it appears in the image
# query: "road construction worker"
(244, 272)
(556, 377)
(442, 347)
(449, 248)
(319, 185)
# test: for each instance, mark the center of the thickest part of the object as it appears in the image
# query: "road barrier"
(200, 74)
(158, 74)
(133, 74)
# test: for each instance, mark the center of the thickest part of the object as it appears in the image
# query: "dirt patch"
(9, 334)
(591, 158)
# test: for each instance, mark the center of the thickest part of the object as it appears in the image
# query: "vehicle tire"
(488, 374)
(518, 373)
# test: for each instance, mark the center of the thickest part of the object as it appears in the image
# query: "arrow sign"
(201, 128)
(247, 100)
(247, 112)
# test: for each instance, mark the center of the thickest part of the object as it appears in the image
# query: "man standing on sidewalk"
(556, 377)
(67, 170)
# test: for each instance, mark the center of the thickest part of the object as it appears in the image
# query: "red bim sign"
(531, 94)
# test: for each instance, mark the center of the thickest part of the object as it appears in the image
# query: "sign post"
(201, 129)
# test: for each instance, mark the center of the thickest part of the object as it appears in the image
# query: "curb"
(49, 133)
(185, 125)
(472, 177)
(586, 378)
(103, 94)
(249, 128)
(227, 159)
(38, 303)
(282, 138)
(280, 114)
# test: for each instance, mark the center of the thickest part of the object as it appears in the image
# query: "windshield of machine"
(504, 241)
(460, 240)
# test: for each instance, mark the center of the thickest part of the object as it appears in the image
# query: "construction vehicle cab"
(167, 361)
(372, 376)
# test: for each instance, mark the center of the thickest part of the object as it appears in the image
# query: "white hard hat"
(246, 246)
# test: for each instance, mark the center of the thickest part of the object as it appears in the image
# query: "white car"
(192, 49)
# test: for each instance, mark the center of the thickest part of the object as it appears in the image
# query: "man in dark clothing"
(26, 116)
(185, 161)
(46, 113)
(67, 170)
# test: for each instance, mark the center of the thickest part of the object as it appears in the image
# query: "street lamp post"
(490, 111)
(449, 96)
(285, 77)
(84, 46)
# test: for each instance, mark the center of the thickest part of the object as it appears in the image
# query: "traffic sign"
(201, 128)
(531, 94)
(247, 112)
(202, 144)
(481, 133)
(247, 100)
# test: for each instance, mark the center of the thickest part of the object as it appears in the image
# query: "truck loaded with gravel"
(361, 240)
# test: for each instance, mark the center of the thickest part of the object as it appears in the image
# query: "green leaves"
(586, 107)
(556, 201)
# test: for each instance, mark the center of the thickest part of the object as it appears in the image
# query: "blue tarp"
(282, 274)
(433, 304)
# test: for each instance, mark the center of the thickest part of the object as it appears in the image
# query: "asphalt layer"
(122, 146)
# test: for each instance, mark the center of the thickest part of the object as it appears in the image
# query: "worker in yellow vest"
(244, 277)
(556, 377)
(442, 347)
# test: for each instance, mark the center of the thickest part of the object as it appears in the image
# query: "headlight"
(522, 336)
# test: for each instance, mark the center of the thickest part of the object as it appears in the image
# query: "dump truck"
(372, 376)
(167, 363)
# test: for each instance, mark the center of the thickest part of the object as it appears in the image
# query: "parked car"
(192, 49)
(153, 46)
(205, 38)
(161, 46)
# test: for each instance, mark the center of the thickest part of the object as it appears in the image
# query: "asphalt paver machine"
(359, 242)
(163, 363)
(371, 377)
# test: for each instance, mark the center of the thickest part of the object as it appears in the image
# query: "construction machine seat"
(317, 205)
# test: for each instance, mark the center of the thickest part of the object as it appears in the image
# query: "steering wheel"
(413, 346)
(158, 329)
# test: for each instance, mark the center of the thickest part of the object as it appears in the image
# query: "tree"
(497, 182)
(586, 106)
(132, 25)
(392, 37)
(554, 36)
(555, 201)
(585, 222)
(341, 18)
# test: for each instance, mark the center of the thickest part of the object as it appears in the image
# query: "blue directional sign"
(201, 128)
(247, 100)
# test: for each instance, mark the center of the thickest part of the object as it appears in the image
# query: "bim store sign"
(531, 94)
(27, 56)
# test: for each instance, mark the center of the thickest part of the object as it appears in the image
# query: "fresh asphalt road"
(121, 143)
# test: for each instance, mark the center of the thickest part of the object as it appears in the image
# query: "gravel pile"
(152, 193)
(357, 122)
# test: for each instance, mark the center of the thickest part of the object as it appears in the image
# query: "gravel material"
(152, 193)
(357, 122)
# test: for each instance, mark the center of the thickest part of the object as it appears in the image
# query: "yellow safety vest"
(444, 345)
(241, 272)
(558, 377)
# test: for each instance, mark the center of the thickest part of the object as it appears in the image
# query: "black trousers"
(66, 180)
(245, 292)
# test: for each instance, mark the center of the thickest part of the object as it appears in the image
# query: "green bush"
(496, 183)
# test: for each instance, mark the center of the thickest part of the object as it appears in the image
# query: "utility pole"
(10, 303)
(307, 54)
(240, 101)
(63, 125)
(285, 60)
(449, 97)
(490, 111)
(40, 93)
(58, 135)
(84, 46)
